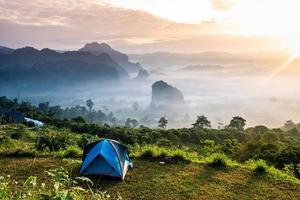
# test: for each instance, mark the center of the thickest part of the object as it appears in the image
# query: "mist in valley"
(219, 87)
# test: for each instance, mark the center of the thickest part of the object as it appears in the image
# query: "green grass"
(151, 180)
(153, 152)
(184, 174)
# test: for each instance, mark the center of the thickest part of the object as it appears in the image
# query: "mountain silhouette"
(32, 67)
(5, 50)
(165, 95)
(121, 58)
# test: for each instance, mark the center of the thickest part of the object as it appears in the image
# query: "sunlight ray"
(282, 66)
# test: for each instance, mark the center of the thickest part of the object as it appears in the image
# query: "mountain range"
(5, 50)
(28, 67)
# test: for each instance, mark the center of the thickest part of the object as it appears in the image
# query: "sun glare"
(268, 18)
(283, 66)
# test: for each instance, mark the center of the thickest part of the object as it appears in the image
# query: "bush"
(150, 153)
(258, 166)
(168, 155)
(164, 142)
(72, 152)
(180, 156)
(218, 161)
(261, 167)
(16, 135)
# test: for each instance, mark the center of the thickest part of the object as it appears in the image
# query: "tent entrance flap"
(99, 166)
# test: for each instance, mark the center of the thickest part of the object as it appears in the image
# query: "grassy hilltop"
(151, 180)
(188, 163)
(43, 163)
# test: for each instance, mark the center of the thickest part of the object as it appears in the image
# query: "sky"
(141, 26)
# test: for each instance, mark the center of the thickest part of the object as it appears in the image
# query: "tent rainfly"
(105, 158)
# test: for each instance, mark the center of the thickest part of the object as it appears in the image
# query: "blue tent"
(105, 157)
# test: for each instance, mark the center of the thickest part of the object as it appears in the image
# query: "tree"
(202, 122)
(113, 120)
(128, 122)
(131, 123)
(44, 107)
(134, 123)
(260, 129)
(55, 111)
(162, 122)
(288, 125)
(78, 120)
(90, 104)
(135, 106)
(237, 123)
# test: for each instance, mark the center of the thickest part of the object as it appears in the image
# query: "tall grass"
(60, 187)
(260, 167)
(154, 152)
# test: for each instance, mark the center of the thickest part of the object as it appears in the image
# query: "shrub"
(261, 167)
(72, 152)
(258, 166)
(218, 161)
(150, 153)
(180, 156)
(168, 155)
(164, 142)
(16, 135)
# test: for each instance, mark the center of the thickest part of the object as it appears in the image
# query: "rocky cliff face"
(142, 75)
(165, 95)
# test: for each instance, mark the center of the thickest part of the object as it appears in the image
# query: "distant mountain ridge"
(196, 68)
(5, 50)
(167, 59)
(32, 67)
(121, 58)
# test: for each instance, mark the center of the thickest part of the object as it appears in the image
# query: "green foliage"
(162, 122)
(164, 142)
(72, 152)
(237, 123)
(218, 161)
(16, 135)
(261, 167)
(78, 119)
(230, 146)
(259, 130)
(168, 155)
(157, 181)
(61, 186)
(202, 122)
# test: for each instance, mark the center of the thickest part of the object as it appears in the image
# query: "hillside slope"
(151, 180)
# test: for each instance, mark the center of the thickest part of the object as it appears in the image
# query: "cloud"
(221, 4)
(69, 24)
(209, 42)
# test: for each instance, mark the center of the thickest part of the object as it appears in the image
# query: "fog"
(218, 90)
